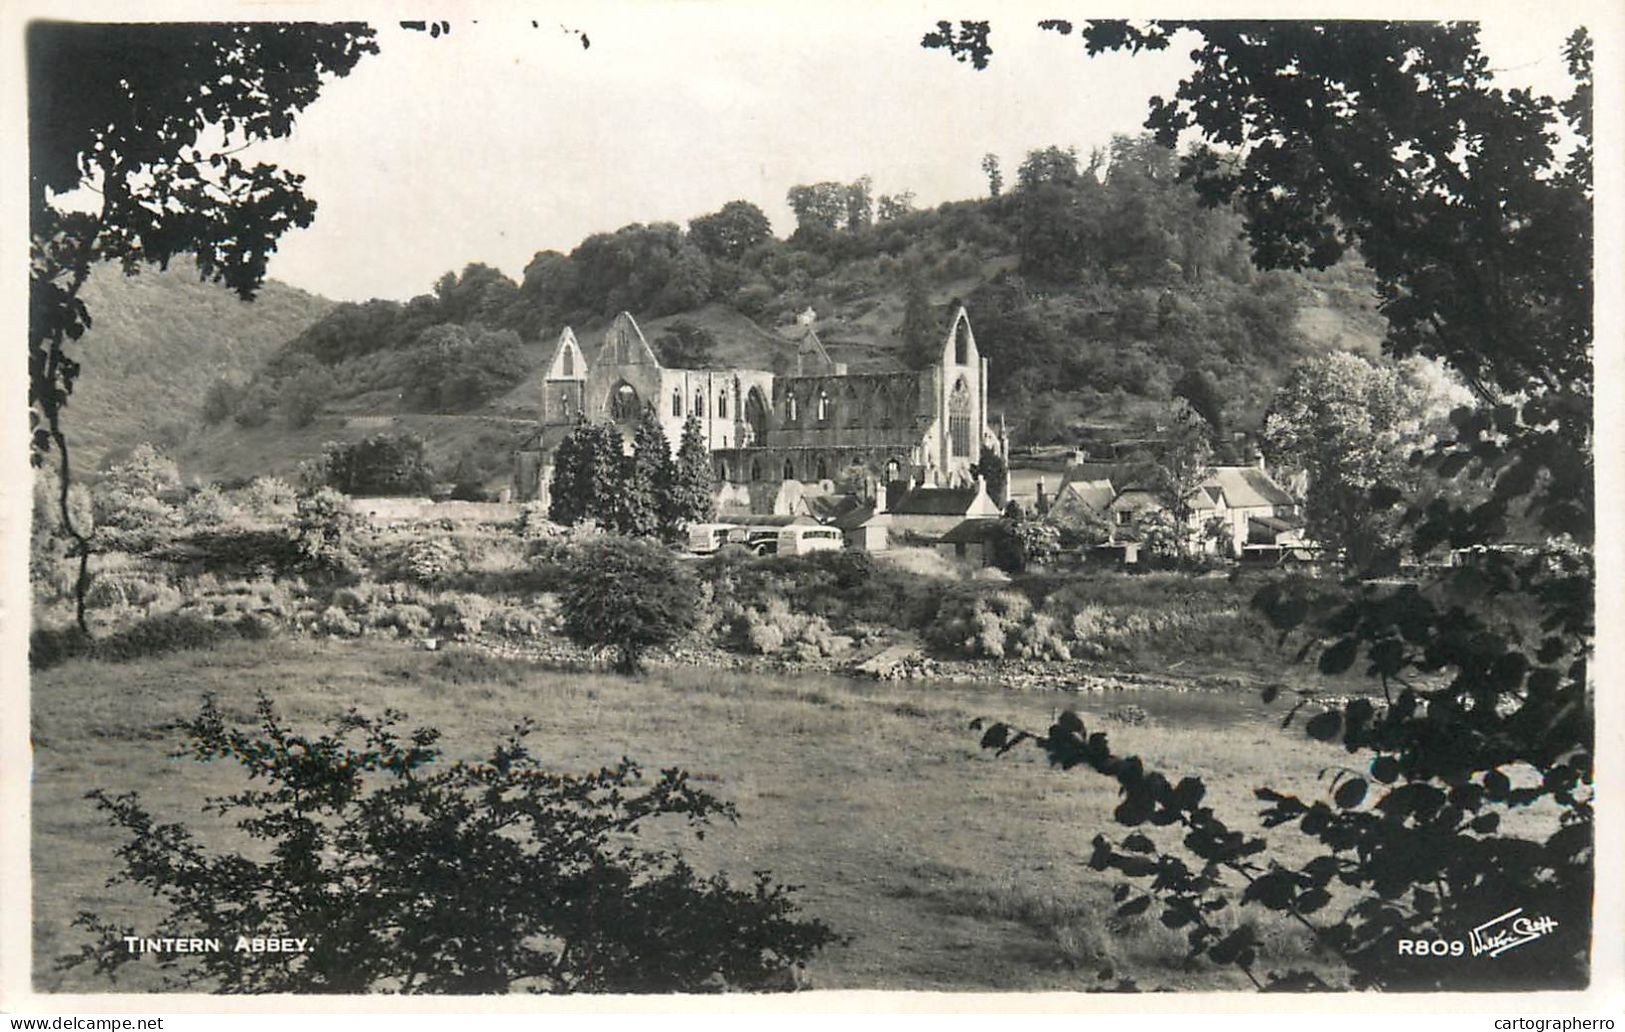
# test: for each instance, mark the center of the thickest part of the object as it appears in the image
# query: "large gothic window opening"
(756, 415)
(676, 403)
(569, 361)
(959, 419)
(961, 342)
(623, 403)
(789, 470)
(823, 405)
(699, 404)
(790, 408)
(823, 470)
(722, 404)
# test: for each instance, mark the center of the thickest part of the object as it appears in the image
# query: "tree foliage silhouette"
(150, 117)
(1392, 139)
(406, 874)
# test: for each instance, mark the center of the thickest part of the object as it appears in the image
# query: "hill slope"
(1097, 294)
(160, 340)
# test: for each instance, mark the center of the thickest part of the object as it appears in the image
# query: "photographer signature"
(1499, 934)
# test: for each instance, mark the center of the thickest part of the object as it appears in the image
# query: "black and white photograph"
(738, 499)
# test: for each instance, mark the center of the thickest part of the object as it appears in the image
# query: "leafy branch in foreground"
(477, 877)
(1472, 206)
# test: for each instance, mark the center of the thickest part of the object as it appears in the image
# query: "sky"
(502, 138)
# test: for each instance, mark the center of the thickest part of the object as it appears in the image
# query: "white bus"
(705, 538)
(801, 539)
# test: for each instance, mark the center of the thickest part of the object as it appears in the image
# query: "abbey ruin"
(810, 423)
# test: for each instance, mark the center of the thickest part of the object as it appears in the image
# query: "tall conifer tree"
(692, 498)
(649, 478)
(605, 475)
(567, 491)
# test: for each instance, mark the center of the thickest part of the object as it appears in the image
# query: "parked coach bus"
(799, 540)
(705, 538)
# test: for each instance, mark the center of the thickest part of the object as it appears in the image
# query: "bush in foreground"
(627, 595)
(404, 876)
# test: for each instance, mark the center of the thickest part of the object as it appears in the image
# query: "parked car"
(761, 540)
(799, 540)
(705, 538)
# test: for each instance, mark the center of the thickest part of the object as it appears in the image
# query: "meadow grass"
(948, 867)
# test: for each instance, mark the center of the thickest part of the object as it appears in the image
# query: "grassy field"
(947, 867)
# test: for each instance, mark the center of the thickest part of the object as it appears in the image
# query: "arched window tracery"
(959, 419)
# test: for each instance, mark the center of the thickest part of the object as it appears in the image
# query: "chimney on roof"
(880, 496)
(1041, 506)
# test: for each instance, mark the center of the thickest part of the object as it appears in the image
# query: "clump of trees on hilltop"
(1123, 286)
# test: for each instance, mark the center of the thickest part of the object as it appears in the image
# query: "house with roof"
(1130, 509)
(1257, 509)
(1232, 508)
(930, 512)
(970, 541)
(866, 527)
(1080, 502)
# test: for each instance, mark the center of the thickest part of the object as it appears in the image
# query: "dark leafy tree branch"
(407, 875)
(1392, 139)
(149, 118)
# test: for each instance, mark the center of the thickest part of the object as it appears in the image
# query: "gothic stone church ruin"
(773, 434)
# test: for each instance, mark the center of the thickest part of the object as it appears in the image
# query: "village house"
(930, 512)
(1080, 502)
(970, 541)
(1233, 508)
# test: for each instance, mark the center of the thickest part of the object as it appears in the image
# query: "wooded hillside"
(1098, 286)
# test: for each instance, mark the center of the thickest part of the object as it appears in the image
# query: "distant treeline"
(1096, 288)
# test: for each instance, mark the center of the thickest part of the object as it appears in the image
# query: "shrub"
(167, 632)
(460, 614)
(128, 522)
(270, 498)
(355, 598)
(327, 527)
(516, 622)
(627, 595)
(427, 561)
(472, 877)
(122, 588)
(777, 629)
(995, 625)
(533, 522)
(238, 553)
(336, 621)
(382, 464)
(208, 507)
(409, 620)
(50, 646)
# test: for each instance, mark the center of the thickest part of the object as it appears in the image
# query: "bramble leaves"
(409, 875)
